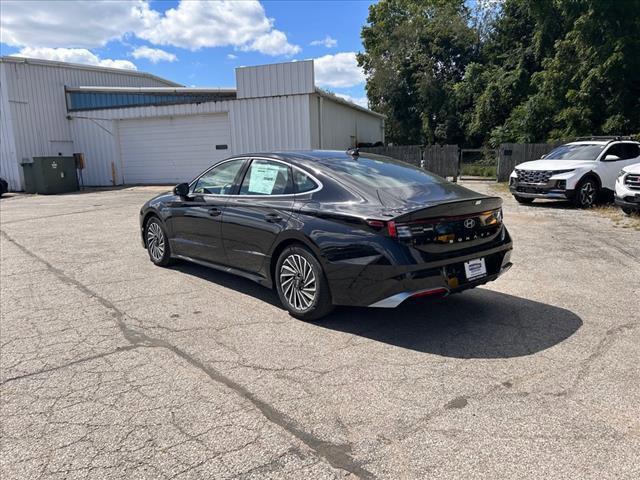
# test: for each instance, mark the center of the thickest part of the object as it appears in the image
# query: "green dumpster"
(48, 175)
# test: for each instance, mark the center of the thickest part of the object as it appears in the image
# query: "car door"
(257, 214)
(627, 154)
(196, 219)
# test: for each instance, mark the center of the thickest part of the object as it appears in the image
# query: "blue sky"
(193, 43)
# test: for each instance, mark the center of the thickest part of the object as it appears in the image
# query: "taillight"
(391, 229)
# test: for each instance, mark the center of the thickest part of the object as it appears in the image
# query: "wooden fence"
(511, 154)
(439, 159)
(443, 160)
(407, 153)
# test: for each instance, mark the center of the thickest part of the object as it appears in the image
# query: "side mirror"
(182, 189)
(542, 156)
(611, 158)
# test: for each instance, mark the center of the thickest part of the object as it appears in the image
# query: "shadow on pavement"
(477, 323)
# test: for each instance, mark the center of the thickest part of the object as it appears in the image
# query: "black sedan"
(329, 228)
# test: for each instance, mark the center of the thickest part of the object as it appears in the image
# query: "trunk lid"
(449, 226)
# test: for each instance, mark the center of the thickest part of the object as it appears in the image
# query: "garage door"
(172, 149)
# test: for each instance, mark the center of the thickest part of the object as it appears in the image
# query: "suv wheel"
(523, 200)
(301, 284)
(157, 243)
(586, 193)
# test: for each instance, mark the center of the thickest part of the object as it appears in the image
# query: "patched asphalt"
(111, 367)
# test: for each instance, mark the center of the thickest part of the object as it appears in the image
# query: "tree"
(415, 53)
(520, 70)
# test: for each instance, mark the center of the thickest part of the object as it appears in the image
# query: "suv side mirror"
(182, 189)
(542, 156)
(611, 158)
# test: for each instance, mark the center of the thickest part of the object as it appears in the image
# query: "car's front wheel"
(157, 243)
(586, 193)
(301, 284)
(630, 211)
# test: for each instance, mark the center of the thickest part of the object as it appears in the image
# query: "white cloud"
(231, 56)
(272, 43)
(191, 25)
(154, 55)
(73, 55)
(326, 42)
(338, 71)
(78, 24)
(362, 101)
(242, 24)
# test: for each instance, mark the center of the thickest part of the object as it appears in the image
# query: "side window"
(632, 150)
(219, 180)
(267, 178)
(616, 150)
(303, 182)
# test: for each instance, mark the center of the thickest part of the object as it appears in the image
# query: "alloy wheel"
(587, 194)
(298, 282)
(155, 241)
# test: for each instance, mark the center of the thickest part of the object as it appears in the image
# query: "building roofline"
(80, 66)
(335, 98)
(150, 89)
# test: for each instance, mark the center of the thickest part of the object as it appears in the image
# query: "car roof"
(600, 142)
(322, 159)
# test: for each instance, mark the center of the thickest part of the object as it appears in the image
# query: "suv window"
(219, 180)
(303, 182)
(265, 177)
(624, 151)
(632, 150)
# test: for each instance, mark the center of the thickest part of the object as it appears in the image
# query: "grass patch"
(618, 217)
(476, 170)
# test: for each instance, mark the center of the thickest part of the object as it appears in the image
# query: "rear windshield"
(382, 173)
(584, 151)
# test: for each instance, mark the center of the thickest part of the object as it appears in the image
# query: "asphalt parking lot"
(111, 367)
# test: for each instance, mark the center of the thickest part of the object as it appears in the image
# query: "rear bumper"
(387, 286)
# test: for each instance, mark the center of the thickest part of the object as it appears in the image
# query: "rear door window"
(266, 177)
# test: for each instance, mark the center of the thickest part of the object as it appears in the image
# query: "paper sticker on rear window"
(262, 178)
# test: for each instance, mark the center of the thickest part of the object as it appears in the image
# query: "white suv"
(577, 171)
(628, 189)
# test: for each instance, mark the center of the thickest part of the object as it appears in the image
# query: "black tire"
(630, 211)
(586, 193)
(292, 270)
(157, 243)
(523, 200)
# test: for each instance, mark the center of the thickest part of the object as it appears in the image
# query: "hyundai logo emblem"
(469, 223)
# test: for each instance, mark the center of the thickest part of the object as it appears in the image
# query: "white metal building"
(133, 127)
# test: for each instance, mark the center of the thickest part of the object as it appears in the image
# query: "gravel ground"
(111, 367)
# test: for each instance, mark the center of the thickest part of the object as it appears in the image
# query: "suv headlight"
(558, 172)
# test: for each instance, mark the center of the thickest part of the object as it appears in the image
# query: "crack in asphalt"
(70, 364)
(337, 455)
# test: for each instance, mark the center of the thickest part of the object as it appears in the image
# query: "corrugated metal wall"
(290, 78)
(37, 104)
(343, 126)
(257, 125)
(8, 156)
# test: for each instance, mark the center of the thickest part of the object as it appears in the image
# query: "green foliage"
(525, 71)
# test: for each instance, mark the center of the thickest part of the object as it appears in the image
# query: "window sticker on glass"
(262, 178)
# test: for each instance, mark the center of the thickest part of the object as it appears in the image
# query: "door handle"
(273, 218)
(215, 212)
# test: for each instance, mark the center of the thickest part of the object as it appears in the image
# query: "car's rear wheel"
(586, 193)
(523, 200)
(157, 243)
(301, 284)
